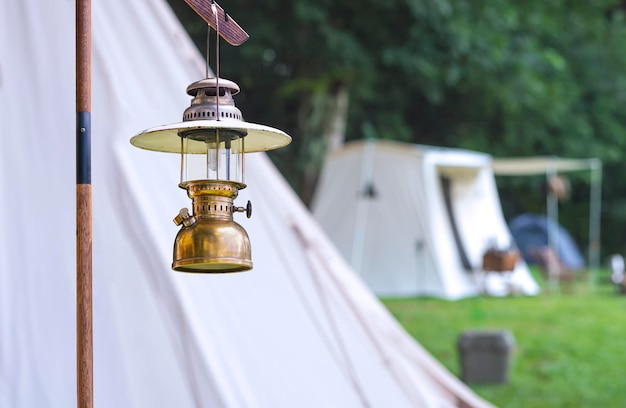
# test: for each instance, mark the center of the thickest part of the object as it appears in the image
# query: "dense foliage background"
(510, 78)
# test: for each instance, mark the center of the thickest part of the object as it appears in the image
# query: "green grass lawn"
(570, 348)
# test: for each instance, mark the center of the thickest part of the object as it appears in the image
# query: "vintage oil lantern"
(212, 141)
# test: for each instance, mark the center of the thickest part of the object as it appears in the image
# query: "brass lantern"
(212, 141)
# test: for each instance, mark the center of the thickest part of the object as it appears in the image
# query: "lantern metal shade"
(167, 138)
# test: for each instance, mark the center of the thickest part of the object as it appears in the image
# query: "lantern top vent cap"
(212, 83)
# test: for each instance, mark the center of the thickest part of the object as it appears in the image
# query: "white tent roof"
(300, 330)
(525, 166)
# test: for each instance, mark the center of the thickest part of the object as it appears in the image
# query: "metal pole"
(552, 210)
(84, 336)
(362, 208)
(594, 221)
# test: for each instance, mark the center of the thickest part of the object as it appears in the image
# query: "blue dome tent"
(531, 231)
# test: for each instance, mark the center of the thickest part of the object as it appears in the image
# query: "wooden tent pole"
(84, 336)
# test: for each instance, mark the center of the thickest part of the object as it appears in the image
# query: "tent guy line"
(330, 318)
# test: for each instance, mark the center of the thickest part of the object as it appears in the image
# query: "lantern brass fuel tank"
(210, 241)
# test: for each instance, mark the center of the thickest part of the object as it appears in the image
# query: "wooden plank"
(83, 56)
(84, 315)
(84, 318)
(229, 30)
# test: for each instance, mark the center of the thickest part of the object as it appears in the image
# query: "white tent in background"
(300, 330)
(416, 220)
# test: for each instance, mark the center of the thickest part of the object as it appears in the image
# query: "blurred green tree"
(510, 78)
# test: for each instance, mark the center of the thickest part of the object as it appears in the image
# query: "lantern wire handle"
(217, 57)
(217, 84)
(208, 50)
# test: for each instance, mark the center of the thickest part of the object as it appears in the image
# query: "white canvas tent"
(416, 220)
(300, 330)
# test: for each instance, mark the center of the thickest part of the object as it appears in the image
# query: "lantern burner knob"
(247, 209)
